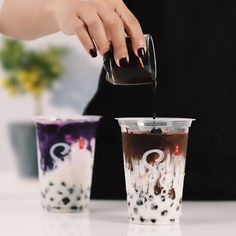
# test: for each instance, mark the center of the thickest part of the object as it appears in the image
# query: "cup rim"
(158, 121)
(157, 118)
(64, 118)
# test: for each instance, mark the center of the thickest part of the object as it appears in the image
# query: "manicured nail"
(141, 52)
(123, 62)
(93, 52)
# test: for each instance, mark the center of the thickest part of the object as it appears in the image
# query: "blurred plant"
(30, 71)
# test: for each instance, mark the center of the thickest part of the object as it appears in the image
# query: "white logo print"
(154, 174)
(64, 152)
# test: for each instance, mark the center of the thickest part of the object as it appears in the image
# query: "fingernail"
(123, 62)
(93, 52)
(141, 52)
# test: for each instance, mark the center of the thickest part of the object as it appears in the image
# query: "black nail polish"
(123, 62)
(141, 52)
(93, 52)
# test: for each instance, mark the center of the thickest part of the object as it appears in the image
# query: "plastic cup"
(66, 149)
(154, 162)
(139, 71)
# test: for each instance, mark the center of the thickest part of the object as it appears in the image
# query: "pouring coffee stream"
(139, 71)
(154, 92)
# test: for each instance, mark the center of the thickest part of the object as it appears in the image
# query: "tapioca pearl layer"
(159, 200)
(153, 210)
(64, 197)
(152, 206)
(168, 221)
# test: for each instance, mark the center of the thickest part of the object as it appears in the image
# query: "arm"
(95, 22)
(27, 19)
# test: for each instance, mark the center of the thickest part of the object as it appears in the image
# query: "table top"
(21, 214)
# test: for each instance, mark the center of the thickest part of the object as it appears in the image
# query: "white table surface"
(21, 214)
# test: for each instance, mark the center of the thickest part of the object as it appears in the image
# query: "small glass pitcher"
(139, 70)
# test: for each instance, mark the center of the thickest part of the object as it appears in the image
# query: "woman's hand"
(96, 22)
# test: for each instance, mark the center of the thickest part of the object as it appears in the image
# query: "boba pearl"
(139, 202)
(63, 183)
(142, 219)
(70, 190)
(154, 207)
(163, 198)
(65, 200)
(73, 207)
(163, 213)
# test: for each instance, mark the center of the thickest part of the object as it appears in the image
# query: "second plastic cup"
(154, 163)
(66, 149)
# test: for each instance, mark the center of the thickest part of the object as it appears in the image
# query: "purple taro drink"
(154, 162)
(65, 159)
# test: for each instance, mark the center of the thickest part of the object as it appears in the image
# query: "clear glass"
(154, 162)
(139, 70)
(66, 149)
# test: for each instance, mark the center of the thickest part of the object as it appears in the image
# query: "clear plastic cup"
(139, 71)
(154, 162)
(66, 149)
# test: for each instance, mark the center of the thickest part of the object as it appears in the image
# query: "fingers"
(114, 27)
(98, 22)
(133, 29)
(96, 30)
(84, 37)
(102, 22)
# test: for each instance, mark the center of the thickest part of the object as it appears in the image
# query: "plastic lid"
(159, 121)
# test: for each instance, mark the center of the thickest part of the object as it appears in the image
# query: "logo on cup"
(65, 152)
(154, 174)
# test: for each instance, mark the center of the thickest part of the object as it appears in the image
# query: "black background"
(196, 50)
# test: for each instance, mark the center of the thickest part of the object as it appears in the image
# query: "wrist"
(49, 10)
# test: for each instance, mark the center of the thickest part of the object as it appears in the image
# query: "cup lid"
(159, 121)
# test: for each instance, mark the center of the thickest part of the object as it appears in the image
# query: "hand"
(96, 22)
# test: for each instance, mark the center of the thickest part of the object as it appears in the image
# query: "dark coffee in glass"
(139, 71)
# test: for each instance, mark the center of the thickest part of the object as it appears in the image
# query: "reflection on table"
(65, 224)
(148, 230)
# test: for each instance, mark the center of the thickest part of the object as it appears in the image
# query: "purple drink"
(65, 159)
